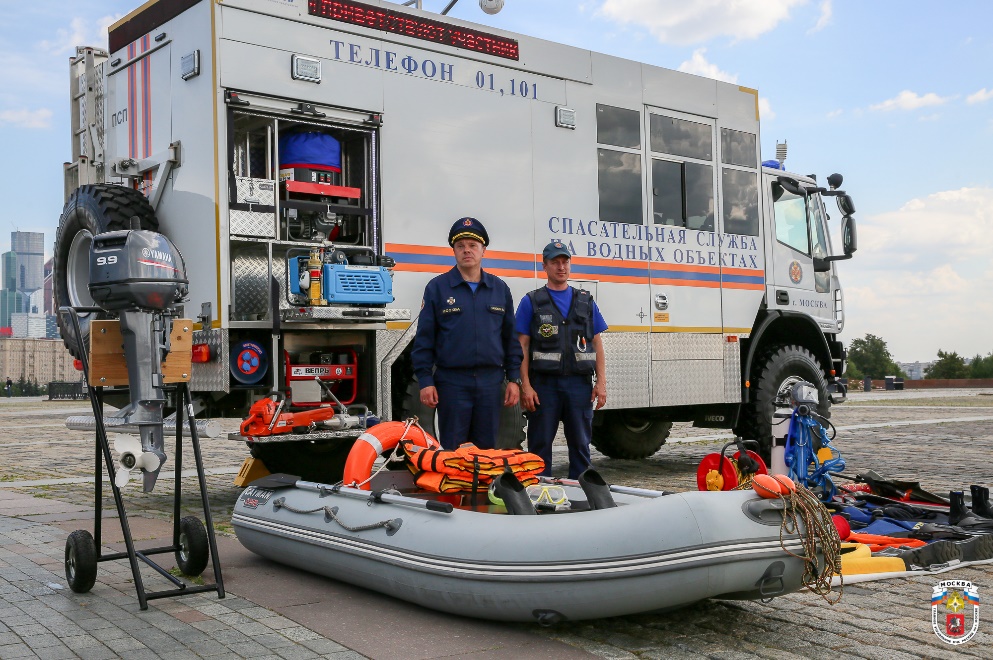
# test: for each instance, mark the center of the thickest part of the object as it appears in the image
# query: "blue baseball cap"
(555, 249)
(468, 228)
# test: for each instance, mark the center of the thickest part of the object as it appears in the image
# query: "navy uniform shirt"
(459, 329)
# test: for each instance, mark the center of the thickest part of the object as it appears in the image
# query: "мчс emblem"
(451, 300)
(958, 620)
(796, 272)
(546, 330)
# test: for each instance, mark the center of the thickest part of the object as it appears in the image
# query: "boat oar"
(626, 490)
(376, 496)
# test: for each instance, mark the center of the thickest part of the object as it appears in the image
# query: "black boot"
(957, 510)
(981, 501)
(596, 489)
(937, 553)
(509, 489)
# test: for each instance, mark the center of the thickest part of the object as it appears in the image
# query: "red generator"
(337, 369)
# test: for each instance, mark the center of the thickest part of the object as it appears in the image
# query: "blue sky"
(895, 95)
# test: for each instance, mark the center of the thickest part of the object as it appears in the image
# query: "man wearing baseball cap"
(559, 328)
(465, 344)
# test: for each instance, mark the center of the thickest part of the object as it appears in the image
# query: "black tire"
(511, 434)
(91, 210)
(193, 549)
(773, 374)
(81, 561)
(319, 461)
(630, 434)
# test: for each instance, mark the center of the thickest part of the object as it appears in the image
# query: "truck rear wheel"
(91, 210)
(322, 462)
(510, 436)
(773, 375)
(630, 434)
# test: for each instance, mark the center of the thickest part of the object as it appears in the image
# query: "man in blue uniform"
(559, 329)
(465, 344)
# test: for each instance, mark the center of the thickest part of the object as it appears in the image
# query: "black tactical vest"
(562, 345)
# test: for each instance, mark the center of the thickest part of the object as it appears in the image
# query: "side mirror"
(846, 205)
(792, 186)
(821, 265)
(849, 237)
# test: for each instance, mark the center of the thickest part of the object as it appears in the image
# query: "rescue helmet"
(468, 228)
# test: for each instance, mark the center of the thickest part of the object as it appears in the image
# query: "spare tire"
(91, 210)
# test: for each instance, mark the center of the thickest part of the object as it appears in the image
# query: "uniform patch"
(546, 330)
(545, 318)
(497, 310)
(451, 300)
(451, 310)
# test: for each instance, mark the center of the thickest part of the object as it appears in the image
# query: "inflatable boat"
(592, 551)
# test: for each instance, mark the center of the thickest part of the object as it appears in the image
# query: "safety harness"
(468, 468)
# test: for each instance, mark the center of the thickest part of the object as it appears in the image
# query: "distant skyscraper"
(11, 302)
(9, 270)
(30, 249)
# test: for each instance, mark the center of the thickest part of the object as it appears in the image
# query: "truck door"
(800, 235)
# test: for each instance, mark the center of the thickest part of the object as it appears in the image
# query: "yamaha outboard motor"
(140, 275)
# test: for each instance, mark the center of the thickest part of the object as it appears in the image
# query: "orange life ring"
(382, 437)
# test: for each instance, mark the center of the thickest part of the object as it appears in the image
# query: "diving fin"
(596, 489)
(515, 497)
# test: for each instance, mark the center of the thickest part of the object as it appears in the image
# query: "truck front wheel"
(773, 375)
(630, 434)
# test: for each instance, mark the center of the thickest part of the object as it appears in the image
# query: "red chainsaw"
(266, 417)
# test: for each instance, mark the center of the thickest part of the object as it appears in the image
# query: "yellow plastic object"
(251, 470)
(715, 481)
(825, 454)
(857, 559)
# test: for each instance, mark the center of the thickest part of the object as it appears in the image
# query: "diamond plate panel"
(687, 382)
(249, 283)
(252, 223)
(254, 191)
(212, 376)
(389, 345)
(346, 313)
(732, 371)
(687, 346)
(626, 355)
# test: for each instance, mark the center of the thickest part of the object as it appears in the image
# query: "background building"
(27, 286)
(29, 246)
(37, 360)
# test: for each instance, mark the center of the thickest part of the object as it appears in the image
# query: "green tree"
(871, 357)
(981, 367)
(948, 365)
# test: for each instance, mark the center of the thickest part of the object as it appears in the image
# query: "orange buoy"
(766, 486)
(786, 485)
(380, 438)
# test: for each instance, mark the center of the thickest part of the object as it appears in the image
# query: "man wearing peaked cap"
(559, 329)
(465, 344)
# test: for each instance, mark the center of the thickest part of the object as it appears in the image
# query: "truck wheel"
(630, 434)
(91, 210)
(510, 435)
(773, 375)
(322, 462)
(194, 547)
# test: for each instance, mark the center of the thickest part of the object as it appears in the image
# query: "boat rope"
(803, 510)
(331, 513)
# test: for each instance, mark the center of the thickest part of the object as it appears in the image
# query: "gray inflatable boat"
(581, 560)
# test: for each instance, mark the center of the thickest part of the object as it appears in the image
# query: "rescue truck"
(308, 158)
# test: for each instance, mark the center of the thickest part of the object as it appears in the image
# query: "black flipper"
(596, 489)
(509, 489)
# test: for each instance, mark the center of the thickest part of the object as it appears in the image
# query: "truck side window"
(820, 248)
(791, 219)
(682, 173)
(739, 186)
(619, 168)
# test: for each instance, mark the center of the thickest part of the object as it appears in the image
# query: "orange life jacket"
(468, 467)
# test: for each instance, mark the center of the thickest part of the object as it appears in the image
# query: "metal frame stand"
(184, 401)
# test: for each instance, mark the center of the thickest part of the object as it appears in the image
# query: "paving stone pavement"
(40, 617)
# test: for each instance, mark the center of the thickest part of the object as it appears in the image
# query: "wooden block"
(251, 469)
(109, 368)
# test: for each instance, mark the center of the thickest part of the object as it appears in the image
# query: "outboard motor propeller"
(141, 276)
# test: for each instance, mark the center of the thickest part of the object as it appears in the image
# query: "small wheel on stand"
(194, 549)
(81, 561)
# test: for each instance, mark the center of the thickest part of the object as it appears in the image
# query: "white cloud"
(907, 100)
(81, 32)
(981, 96)
(698, 65)
(921, 276)
(23, 118)
(765, 109)
(827, 12)
(835, 113)
(681, 22)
